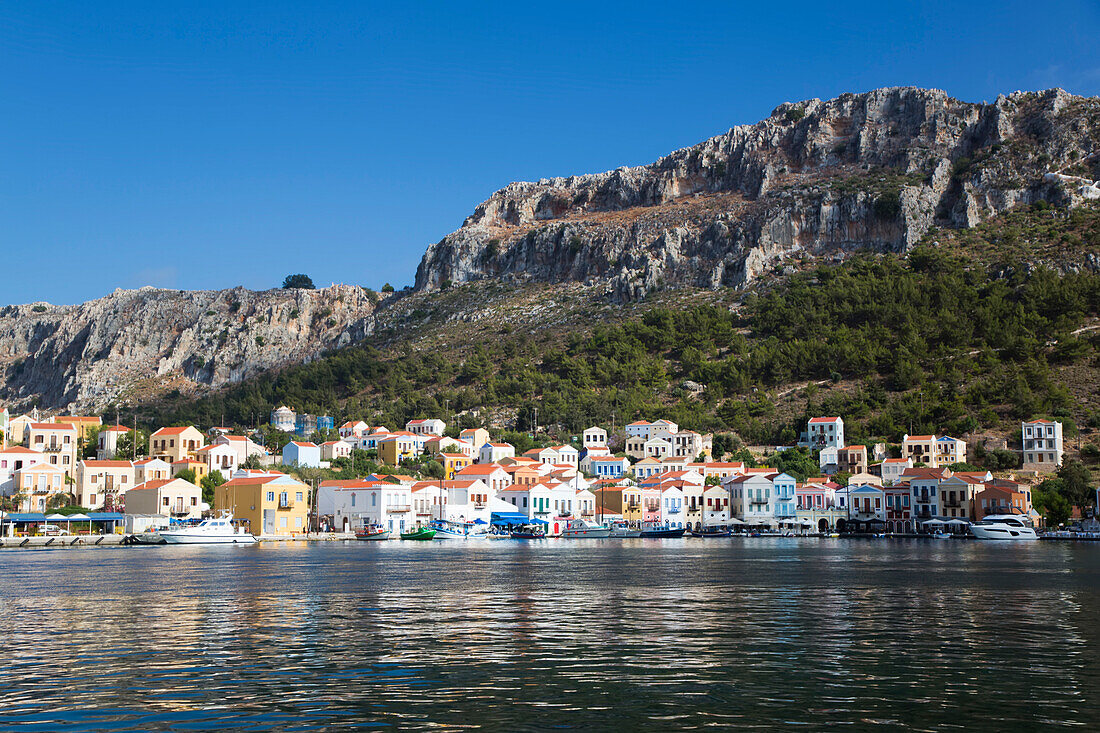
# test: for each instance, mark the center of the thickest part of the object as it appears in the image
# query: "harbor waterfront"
(669, 633)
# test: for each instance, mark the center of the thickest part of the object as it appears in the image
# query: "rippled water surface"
(585, 634)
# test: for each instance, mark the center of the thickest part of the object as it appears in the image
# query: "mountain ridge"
(872, 170)
(877, 170)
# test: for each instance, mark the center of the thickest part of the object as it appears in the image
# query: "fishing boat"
(445, 529)
(711, 532)
(655, 531)
(529, 532)
(621, 530)
(419, 533)
(213, 531)
(370, 534)
(580, 529)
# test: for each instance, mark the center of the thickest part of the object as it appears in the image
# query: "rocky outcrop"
(134, 343)
(872, 170)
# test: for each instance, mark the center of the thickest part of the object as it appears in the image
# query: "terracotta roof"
(154, 484)
(52, 426)
(304, 445)
(921, 437)
(108, 464)
(20, 450)
(116, 429)
(173, 431)
(819, 420)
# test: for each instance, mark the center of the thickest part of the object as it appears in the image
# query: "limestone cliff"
(873, 170)
(133, 343)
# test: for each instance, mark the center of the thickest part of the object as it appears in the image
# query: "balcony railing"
(953, 503)
(286, 504)
(397, 508)
(674, 510)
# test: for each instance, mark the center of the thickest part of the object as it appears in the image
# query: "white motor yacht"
(213, 531)
(1003, 527)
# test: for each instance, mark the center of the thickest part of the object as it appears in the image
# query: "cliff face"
(870, 170)
(132, 343)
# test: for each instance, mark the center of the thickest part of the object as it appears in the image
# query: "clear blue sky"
(214, 144)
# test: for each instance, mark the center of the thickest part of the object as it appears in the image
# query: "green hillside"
(967, 333)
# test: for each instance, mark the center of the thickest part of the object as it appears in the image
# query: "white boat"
(580, 529)
(623, 530)
(1003, 527)
(459, 530)
(213, 531)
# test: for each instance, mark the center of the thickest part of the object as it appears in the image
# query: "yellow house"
(453, 463)
(200, 468)
(175, 444)
(475, 436)
(397, 447)
(82, 423)
(632, 505)
(269, 504)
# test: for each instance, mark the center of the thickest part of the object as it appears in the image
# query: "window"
(298, 522)
(298, 496)
(95, 478)
(271, 496)
(353, 499)
(194, 501)
(282, 522)
(166, 501)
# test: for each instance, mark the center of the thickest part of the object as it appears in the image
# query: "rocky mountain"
(132, 343)
(817, 178)
(873, 170)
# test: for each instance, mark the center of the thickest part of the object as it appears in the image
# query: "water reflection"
(753, 633)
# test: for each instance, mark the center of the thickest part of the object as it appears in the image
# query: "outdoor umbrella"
(80, 518)
(58, 518)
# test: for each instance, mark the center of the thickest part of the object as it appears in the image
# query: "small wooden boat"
(420, 533)
(529, 533)
(369, 534)
(711, 532)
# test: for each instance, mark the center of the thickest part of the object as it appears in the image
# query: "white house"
(826, 432)
(107, 442)
(491, 474)
(219, 457)
(305, 455)
(950, 451)
(567, 455)
(11, 460)
(151, 469)
(333, 449)
(672, 506)
(658, 448)
(534, 500)
(716, 506)
(372, 439)
(751, 498)
(828, 459)
(1042, 443)
(892, 469)
(171, 498)
(868, 502)
(353, 429)
(426, 426)
(372, 504)
(495, 452)
(242, 445)
(595, 435)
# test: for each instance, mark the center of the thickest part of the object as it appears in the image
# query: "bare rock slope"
(137, 342)
(863, 170)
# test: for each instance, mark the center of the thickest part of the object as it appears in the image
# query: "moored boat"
(580, 529)
(621, 530)
(458, 530)
(711, 532)
(1003, 527)
(213, 531)
(529, 532)
(370, 534)
(661, 531)
(420, 533)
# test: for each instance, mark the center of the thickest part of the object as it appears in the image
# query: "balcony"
(397, 508)
(286, 504)
(674, 510)
(758, 502)
(953, 504)
(51, 449)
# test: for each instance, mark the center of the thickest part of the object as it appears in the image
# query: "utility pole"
(536, 430)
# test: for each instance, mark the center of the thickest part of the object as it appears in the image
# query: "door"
(269, 521)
